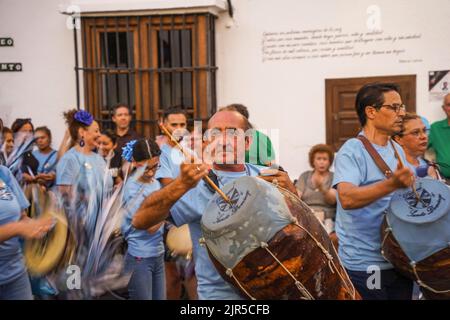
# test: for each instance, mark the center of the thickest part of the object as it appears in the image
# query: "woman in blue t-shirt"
(39, 166)
(145, 256)
(14, 224)
(83, 181)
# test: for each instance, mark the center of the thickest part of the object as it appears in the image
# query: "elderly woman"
(414, 140)
(314, 186)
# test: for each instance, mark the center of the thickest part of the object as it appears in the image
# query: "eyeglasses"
(394, 107)
(155, 167)
(416, 133)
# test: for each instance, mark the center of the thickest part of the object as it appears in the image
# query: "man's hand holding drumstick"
(156, 207)
(191, 174)
(278, 177)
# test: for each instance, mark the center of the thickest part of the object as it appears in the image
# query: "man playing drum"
(364, 192)
(186, 197)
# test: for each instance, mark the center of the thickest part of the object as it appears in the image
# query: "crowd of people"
(161, 188)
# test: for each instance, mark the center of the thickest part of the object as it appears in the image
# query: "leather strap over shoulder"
(381, 164)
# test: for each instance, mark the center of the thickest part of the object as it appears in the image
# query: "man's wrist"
(181, 186)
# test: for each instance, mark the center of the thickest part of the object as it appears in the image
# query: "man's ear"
(370, 112)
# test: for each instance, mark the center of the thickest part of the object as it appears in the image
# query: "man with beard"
(186, 197)
(364, 192)
(175, 121)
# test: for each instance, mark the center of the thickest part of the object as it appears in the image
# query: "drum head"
(433, 202)
(258, 212)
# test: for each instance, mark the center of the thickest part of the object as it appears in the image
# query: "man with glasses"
(364, 193)
(185, 199)
(439, 140)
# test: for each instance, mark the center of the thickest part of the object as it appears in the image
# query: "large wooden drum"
(269, 245)
(416, 236)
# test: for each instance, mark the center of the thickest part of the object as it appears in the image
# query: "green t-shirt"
(439, 141)
(261, 151)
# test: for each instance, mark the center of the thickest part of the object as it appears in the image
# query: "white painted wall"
(289, 96)
(44, 46)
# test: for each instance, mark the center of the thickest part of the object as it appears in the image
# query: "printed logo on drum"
(423, 205)
(226, 209)
(5, 193)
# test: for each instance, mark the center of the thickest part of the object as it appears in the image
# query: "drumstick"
(402, 165)
(191, 157)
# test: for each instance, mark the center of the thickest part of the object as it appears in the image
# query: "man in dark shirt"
(122, 119)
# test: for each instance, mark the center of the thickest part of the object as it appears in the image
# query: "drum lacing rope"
(423, 284)
(387, 230)
(298, 284)
(330, 259)
(351, 289)
(412, 263)
(229, 273)
(386, 234)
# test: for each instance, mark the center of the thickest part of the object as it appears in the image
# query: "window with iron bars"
(149, 63)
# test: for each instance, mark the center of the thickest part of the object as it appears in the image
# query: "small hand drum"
(45, 254)
(179, 241)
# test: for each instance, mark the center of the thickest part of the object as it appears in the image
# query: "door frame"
(331, 84)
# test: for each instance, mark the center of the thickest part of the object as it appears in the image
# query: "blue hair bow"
(127, 151)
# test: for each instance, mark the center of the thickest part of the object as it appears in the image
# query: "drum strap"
(381, 164)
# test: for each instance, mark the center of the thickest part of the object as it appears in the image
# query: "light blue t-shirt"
(47, 162)
(140, 243)
(91, 182)
(87, 170)
(359, 230)
(12, 203)
(189, 209)
(170, 161)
